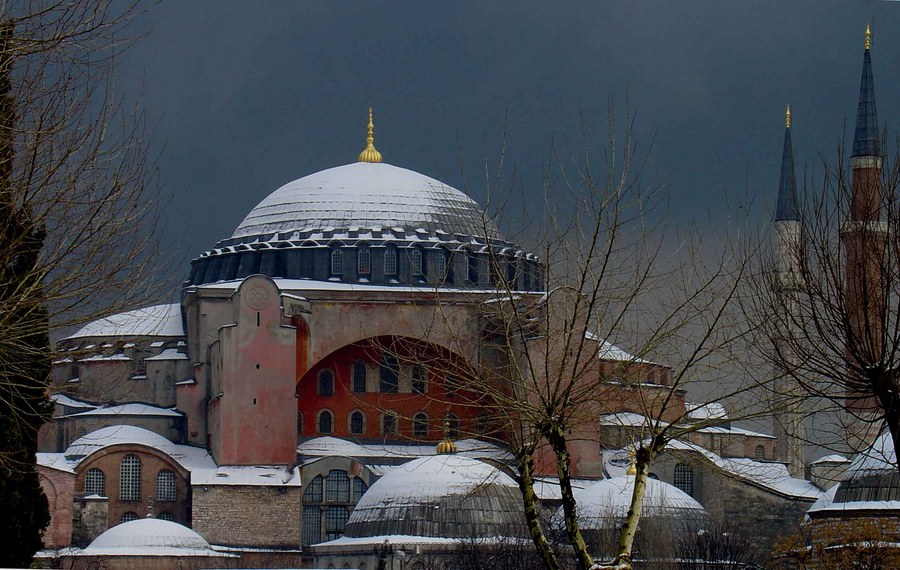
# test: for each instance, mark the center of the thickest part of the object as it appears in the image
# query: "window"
(389, 423)
(760, 452)
(313, 492)
(419, 380)
(416, 261)
(312, 525)
(358, 376)
(452, 386)
(337, 487)
(129, 516)
(337, 262)
(390, 261)
(326, 422)
(335, 521)
(130, 479)
(473, 268)
(452, 426)
(359, 489)
(653, 476)
(165, 485)
(440, 265)
(482, 425)
(420, 425)
(684, 478)
(363, 261)
(357, 423)
(95, 482)
(389, 373)
(166, 517)
(326, 383)
(512, 272)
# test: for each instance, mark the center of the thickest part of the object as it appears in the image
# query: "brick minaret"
(863, 236)
(788, 418)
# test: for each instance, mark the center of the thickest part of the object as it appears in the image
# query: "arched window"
(363, 261)
(419, 380)
(390, 261)
(389, 423)
(130, 479)
(337, 487)
(452, 386)
(313, 492)
(442, 266)
(166, 517)
(95, 482)
(312, 525)
(760, 452)
(417, 262)
(420, 425)
(684, 478)
(165, 485)
(359, 376)
(389, 373)
(357, 423)
(129, 516)
(326, 422)
(452, 426)
(653, 476)
(473, 268)
(359, 489)
(326, 382)
(337, 262)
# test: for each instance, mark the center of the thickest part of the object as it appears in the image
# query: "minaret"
(788, 419)
(863, 236)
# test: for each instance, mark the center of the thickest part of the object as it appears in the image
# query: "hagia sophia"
(300, 406)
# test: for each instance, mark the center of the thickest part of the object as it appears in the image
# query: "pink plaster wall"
(59, 486)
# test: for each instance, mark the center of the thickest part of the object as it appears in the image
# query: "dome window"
(166, 517)
(129, 516)
(165, 485)
(684, 478)
(95, 482)
(337, 262)
(326, 422)
(417, 262)
(473, 268)
(130, 478)
(326, 383)
(363, 261)
(390, 261)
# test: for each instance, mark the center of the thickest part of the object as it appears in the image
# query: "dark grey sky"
(246, 96)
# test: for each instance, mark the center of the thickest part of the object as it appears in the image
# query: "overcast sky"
(246, 96)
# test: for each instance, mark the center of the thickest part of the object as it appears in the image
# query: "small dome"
(871, 480)
(158, 320)
(364, 195)
(115, 435)
(605, 503)
(149, 537)
(440, 496)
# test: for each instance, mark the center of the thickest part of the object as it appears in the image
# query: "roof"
(150, 537)
(328, 446)
(786, 207)
(865, 137)
(169, 354)
(190, 457)
(364, 195)
(158, 320)
(250, 476)
(710, 411)
(130, 410)
(63, 400)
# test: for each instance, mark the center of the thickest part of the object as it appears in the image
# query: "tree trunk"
(557, 440)
(525, 465)
(626, 538)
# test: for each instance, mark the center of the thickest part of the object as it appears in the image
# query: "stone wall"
(59, 486)
(260, 516)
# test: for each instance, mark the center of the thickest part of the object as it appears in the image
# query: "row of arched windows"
(388, 377)
(390, 424)
(133, 516)
(130, 481)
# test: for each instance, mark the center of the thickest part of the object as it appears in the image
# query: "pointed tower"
(863, 236)
(789, 428)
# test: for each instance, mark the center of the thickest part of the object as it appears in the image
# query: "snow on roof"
(187, 382)
(323, 446)
(158, 320)
(169, 354)
(106, 358)
(314, 285)
(189, 457)
(879, 457)
(831, 459)
(773, 476)
(398, 539)
(825, 501)
(130, 410)
(628, 419)
(547, 488)
(734, 431)
(710, 411)
(69, 402)
(253, 476)
(150, 537)
(609, 351)
(365, 195)
(56, 461)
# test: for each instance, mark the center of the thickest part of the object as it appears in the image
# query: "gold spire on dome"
(632, 465)
(787, 117)
(370, 154)
(445, 447)
(868, 36)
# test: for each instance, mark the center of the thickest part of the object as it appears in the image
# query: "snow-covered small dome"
(158, 320)
(440, 496)
(116, 435)
(605, 503)
(364, 195)
(149, 537)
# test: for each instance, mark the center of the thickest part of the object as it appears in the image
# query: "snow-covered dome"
(158, 320)
(440, 496)
(364, 195)
(149, 537)
(605, 503)
(116, 435)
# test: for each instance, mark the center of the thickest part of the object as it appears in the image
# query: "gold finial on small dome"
(445, 447)
(868, 36)
(787, 117)
(632, 465)
(370, 154)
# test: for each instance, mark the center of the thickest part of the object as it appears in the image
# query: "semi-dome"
(445, 496)
(365, 195)
(149, 537)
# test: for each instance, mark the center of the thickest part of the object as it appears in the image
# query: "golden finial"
(787, 117)
(446, 446)
(868, 36)
(632, 465)
(369, 154)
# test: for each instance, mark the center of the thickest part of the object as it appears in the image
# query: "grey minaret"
(788, 417)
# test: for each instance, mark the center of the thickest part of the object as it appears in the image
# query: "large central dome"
(365, 196)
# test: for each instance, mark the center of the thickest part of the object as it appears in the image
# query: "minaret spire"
(786, 208)
(370, 154)
(865, 140)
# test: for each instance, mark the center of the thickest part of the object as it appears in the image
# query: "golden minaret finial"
(868, 36)
(369, 154)
(787, 117)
